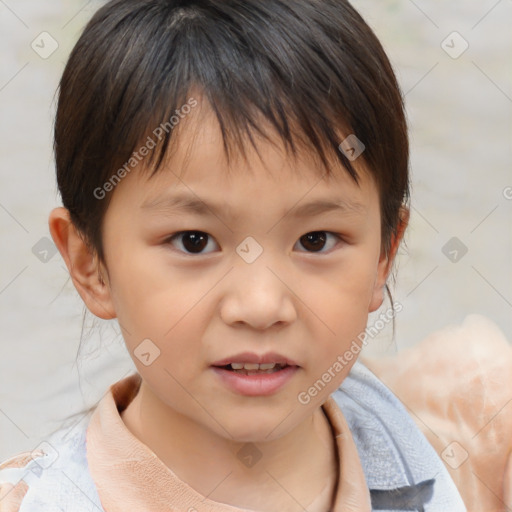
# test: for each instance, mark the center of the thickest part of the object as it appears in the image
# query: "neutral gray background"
(460, 124)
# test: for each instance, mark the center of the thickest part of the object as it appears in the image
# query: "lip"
(251, 357)
(257, 384)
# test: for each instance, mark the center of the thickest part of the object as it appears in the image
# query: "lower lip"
(257, 384)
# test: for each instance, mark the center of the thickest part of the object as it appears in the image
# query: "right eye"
(193, 242)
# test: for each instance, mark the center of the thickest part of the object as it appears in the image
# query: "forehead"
(199, 136)
(197, 166)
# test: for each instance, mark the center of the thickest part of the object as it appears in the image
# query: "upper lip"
(251, 357)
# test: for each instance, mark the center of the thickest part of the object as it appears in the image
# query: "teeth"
(252, 366)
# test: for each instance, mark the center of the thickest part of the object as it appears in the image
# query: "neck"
(291, 472)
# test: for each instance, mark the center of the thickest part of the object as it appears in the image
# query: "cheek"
(163, 336)
(344, 292)
(340, 302)
(154, 302)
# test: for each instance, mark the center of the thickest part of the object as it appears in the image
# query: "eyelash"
(170, 240)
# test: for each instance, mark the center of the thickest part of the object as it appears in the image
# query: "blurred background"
(453, 62)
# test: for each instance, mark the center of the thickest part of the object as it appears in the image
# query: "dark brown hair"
(313, 69)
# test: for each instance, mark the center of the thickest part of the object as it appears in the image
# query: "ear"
(386, 262)
(88, 275)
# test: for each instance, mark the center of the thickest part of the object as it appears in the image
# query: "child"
(271, 137)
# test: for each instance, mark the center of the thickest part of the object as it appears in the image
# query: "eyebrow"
(184, 203)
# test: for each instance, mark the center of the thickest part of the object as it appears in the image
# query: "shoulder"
(53, 477)
(456, 381)
(394, 453)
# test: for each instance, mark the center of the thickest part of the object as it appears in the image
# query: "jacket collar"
(384, 433)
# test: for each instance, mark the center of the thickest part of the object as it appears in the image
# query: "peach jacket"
(386, 462)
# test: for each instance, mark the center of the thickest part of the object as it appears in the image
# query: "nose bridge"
(256, 294)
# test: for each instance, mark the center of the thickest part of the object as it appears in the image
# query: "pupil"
(197, 241)
(313, 239)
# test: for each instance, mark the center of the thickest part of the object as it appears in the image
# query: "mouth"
(254, 368)
(253, 379)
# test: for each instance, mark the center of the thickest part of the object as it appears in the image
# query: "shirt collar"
(129, 475)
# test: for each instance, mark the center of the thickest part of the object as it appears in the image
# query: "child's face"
(202, 300)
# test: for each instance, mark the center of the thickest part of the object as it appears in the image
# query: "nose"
(257, 295)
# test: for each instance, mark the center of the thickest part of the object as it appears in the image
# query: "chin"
(253, 429)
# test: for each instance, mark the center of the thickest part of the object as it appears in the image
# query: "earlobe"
(386, 262)
(88, 275)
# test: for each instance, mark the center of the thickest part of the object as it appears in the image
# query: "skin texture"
(307, 301)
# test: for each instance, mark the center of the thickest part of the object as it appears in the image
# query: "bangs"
(282, 78)
(311, 70)
(250, 83)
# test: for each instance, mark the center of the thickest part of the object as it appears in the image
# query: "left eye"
(317, 240)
